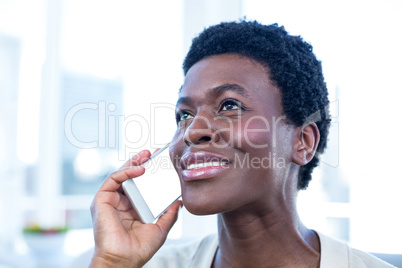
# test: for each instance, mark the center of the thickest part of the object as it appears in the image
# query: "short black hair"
(291, 63)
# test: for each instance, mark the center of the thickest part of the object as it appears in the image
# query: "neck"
(266, 238)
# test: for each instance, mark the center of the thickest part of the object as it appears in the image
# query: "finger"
(114, 181)
(112, 202)
(102, 209)
(137, 159)
(166, 221)
(124, 203)
(117, 200)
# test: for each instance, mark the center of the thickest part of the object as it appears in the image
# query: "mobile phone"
(157, 189)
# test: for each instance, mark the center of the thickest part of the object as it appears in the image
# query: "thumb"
(166, 221)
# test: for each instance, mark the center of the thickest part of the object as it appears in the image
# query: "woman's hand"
(121, 240)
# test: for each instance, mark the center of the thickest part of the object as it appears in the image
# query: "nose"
(200, 131)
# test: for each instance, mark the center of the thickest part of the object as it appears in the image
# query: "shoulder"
(368, 259)
(197, 254)
(335, 253)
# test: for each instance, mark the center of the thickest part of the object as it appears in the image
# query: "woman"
(251, 121)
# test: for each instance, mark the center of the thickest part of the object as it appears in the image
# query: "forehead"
(230, 69)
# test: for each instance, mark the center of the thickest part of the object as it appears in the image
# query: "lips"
(202, 165)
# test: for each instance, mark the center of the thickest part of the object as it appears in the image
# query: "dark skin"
(228, 112)
(258, 223)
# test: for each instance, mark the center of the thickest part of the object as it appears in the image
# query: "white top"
(200, 254)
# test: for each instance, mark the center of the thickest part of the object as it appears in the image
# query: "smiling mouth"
(202, 165)
(204, 170)
(206, 164)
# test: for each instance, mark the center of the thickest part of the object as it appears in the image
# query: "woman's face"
(232, 147)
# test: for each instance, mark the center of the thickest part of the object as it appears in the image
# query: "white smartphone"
(156, 190)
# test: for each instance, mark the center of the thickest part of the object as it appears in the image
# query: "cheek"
(176, 148)
(177, 143)
(178, 136)
(255, 132)
(252, 132)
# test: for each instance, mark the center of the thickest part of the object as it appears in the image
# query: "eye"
(228, 105)
(183, 115)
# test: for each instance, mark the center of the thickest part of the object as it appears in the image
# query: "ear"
(306, 142)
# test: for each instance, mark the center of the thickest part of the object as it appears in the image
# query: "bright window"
(85, 84)
(355, 193)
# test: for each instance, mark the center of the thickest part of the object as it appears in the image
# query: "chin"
(200, 211)
(203, 206)
(200, 208)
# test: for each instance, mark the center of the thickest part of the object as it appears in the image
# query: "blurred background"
(84, 84)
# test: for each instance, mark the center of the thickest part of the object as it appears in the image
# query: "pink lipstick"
(202, 165)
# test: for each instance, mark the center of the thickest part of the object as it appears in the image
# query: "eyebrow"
(219, 90)
(216, 91)
(184, 100)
